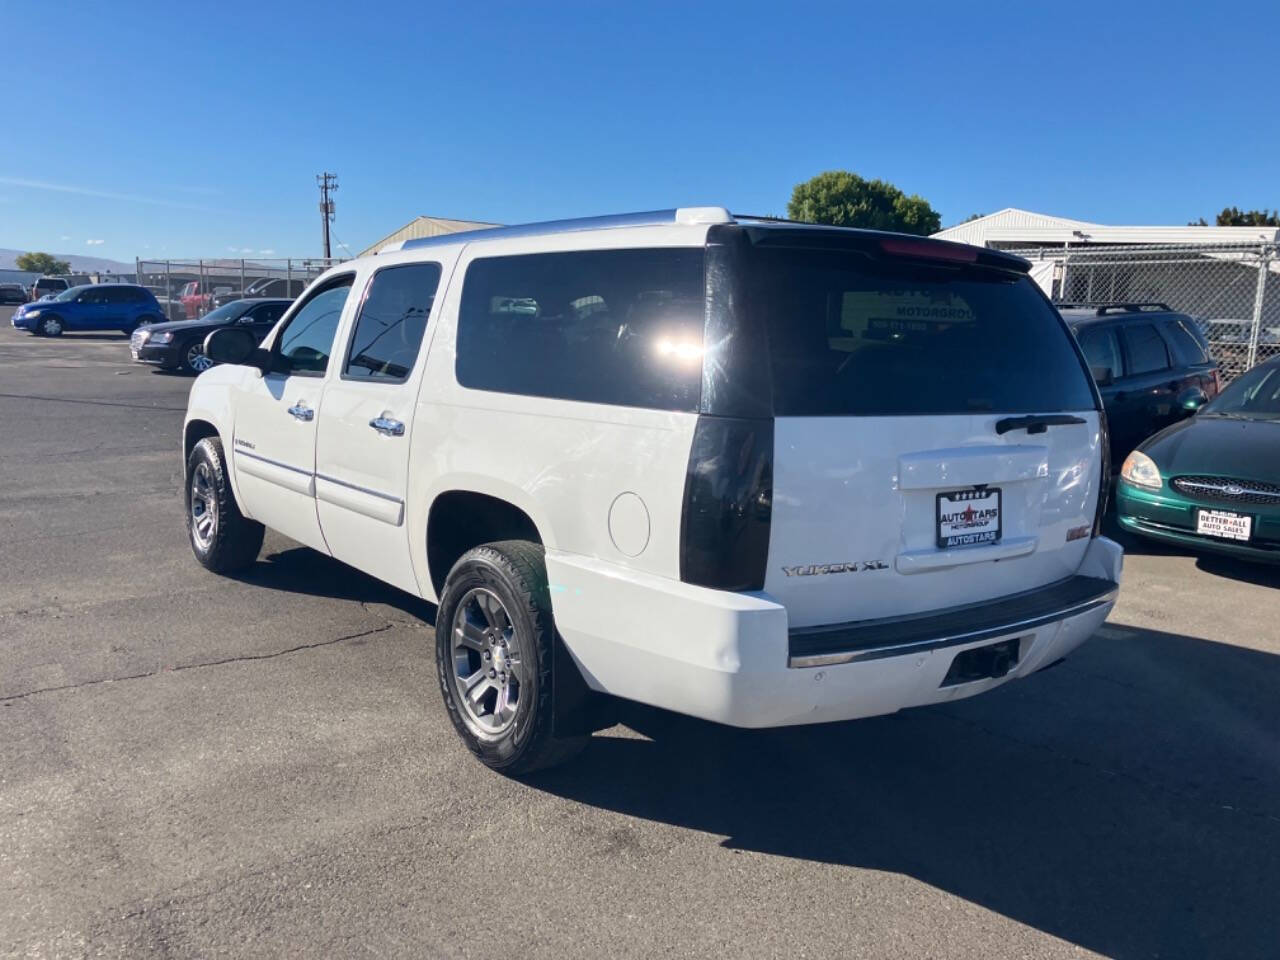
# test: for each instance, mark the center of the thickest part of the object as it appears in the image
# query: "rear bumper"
(727, 657)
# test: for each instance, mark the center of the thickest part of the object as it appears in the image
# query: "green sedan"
(1213, 481)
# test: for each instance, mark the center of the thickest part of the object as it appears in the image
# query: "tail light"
(728, 504)
(1104, 487)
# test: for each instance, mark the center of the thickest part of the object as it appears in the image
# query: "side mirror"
(234, 346)
(1102, 375)
(1192, 399)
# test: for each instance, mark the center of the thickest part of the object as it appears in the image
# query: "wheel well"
(462, 519)
(196, 431)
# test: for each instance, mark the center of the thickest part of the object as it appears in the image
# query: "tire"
(520, 639)
(193, 358)
(51, 326)
(224, 541)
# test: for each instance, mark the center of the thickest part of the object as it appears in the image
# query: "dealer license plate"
(1224, 524)
(969, 518)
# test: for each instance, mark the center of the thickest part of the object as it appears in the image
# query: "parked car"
(180, 346)
(1151, 363)
(103, 306)
(1213, 482)
(12, 293)
(266, 287)
(197, 296)
(48, 285)
(760, 473)
(171, 307)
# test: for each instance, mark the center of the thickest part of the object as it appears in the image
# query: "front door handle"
(302, 412)
(387, 427)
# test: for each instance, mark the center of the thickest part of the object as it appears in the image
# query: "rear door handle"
(302, 412)
(387, 427)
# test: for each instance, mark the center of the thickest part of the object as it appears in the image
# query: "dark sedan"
(180, 345)
(1213, 481)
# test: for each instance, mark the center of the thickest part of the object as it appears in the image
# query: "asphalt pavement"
(193, 766)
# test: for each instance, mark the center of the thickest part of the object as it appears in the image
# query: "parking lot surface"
(193, 766)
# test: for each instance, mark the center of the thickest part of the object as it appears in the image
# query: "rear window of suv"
(853, 336)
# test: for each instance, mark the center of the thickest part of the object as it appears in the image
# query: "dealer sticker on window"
(968, 518)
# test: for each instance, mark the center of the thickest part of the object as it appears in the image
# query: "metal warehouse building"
(426, 227)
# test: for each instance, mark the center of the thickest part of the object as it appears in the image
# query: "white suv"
(758, 472)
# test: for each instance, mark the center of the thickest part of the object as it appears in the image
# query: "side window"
(392, 322)
(305, 343)
(267, 314)
(1101, 350)
(93, 297)
(1146, 349)
(1186, 348)
(622, 327)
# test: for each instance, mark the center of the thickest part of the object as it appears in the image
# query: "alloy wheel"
(204, 506)
(489, 669)
(197, 360)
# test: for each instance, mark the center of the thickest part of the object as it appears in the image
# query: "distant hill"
(79, 264)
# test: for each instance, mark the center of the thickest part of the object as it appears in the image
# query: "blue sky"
(187, 130)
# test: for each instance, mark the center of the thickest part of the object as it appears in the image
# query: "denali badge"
(245, 443)
(813, 569)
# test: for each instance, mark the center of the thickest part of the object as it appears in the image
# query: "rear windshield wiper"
(1035, 424)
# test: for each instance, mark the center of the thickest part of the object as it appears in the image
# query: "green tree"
(1235, 217)
(844, 199)
(42, 263)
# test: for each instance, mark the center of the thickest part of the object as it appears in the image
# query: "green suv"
(1213, 481)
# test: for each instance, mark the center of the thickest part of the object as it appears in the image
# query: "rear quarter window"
(621, 327)
(1187, 350)
(854, 336)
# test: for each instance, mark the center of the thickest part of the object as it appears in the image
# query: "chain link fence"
(1231, 291)
(191, 288)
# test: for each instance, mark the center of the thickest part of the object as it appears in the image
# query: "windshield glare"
(71, 293)
(1255, 395)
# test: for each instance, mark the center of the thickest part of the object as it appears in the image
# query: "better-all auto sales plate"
(1224, 524)
(968, 518)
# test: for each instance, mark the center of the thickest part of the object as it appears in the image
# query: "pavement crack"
(223, 661)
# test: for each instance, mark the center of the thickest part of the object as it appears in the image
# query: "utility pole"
(328, 183)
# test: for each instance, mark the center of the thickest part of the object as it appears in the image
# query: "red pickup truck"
(197, 295)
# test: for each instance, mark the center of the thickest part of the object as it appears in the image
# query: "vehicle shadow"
(1219, 565)
(1128, 803)
(306, 571)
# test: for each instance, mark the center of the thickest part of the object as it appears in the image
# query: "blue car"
(95, 306)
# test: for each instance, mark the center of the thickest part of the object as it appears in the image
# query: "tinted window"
(267, 314)
(851, 336)
(604, 326)
(1146, 349)
(93, 296)
(307, 340)
(1101, 350)
(1186, 348)
(393, 319)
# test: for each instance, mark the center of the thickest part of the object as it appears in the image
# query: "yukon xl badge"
(814, 569)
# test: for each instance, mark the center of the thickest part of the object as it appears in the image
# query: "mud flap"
(577, 709)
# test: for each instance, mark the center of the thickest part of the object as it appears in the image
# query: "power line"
(328, 182)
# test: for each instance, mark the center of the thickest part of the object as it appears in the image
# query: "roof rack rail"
(647, 218)
(1102, 309)
(1148, 305)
